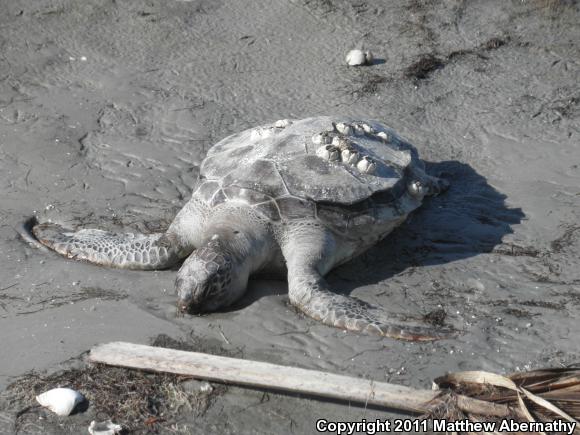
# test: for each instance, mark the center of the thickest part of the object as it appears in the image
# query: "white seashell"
(366, 165)
(349, 156)
(343, 128)
(384, 136)
(358, 57)
(369, 57)
(61, 401)
(104, 428)
(282, 123)
(416, 189)
(328, 152)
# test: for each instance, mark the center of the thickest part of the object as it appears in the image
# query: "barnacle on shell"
(349, 156)
(416, 189)
(367, 165)
(328, 152)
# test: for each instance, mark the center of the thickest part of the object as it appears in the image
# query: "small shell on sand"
(104, 428)
(61, 401)
(359, 57)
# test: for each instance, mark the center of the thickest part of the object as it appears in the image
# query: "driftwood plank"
(261, 374)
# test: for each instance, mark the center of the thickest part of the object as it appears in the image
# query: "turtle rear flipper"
(125, 251)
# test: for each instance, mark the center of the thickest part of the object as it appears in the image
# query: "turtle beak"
(185, 299)
(183, 306)
(188, 304)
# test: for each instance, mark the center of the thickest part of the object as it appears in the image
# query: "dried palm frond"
(535, 396)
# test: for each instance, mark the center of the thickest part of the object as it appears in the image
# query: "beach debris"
(61, 401)
(475, 395)
(359, 57)
(196, 386)
(104, 428)
(424, 66)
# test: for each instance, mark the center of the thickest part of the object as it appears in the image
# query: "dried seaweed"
(424, 66)
(139, 401)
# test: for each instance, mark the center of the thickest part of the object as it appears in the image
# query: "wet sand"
(107, 109)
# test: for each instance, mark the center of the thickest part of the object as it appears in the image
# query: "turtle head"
(212, 277)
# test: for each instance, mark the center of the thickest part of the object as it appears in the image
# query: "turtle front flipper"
(309, 253)
(126, 251)
(309, 293)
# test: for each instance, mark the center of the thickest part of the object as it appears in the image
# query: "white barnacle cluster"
(336, 145)
(282, 123)
(264, 132)
(328, 152)
(383, 136)
(261, 133)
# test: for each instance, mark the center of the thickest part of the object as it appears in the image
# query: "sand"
(107, 109)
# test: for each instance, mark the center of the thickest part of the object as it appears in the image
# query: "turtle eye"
(236, 232)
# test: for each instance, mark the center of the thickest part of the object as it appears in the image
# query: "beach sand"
(108, 107)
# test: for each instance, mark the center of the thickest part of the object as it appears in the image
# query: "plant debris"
(424, 66)
(565, 240)
(367, 84)
(436, 317)
(514, 250)
(543, 395)
(427, 63)
(137, 400)
(493, 43)
(130, 397)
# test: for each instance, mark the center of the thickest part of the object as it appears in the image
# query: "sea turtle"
(297, 197)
